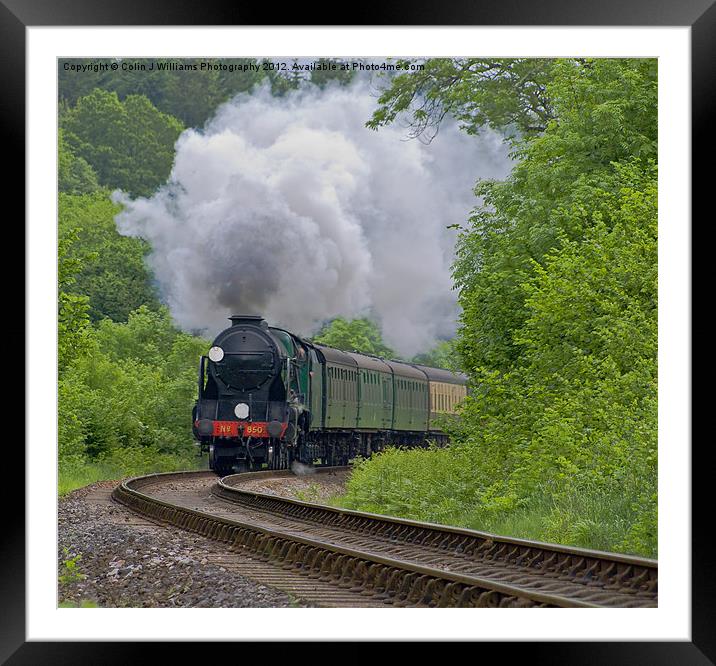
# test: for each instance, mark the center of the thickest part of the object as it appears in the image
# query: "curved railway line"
(355, 559)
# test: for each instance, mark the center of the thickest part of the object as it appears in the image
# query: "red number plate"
(226, 429)
(255, 430)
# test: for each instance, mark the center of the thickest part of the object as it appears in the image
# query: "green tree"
(117, 281)
(322, 77)
(567, 120)
(129, 397)
(442, 355)
(557, 278)
(606, 113)
(74, 341)
(508, 94)
(71, 86)
(129, 144)
(179, 87)
(578, 411)
(146, 337)
(189, 89)
(563, 446)
(282, 82)
(74, 174)
(359, 335)
(73, 319)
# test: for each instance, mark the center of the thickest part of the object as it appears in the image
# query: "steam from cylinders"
(292, 209)
(299, 469)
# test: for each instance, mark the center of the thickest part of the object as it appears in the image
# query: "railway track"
(352, 558)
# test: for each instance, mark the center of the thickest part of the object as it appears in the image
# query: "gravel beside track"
(305, 487)
(131, 562)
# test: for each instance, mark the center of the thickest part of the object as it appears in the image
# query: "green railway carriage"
(369, 401)
(411, 398)
(267, 396)
(341, 391)
(375, 393)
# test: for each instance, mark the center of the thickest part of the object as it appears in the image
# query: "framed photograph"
(325, 177)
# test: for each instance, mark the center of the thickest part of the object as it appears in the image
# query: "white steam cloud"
(292, 209)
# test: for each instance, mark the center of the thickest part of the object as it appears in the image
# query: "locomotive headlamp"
(216, 354)
(241, 410)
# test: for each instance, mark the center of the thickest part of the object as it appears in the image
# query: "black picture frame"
(16, 15)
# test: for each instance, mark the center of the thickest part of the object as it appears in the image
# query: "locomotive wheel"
(214, 463)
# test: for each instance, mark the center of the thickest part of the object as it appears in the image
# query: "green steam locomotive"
(267, 397)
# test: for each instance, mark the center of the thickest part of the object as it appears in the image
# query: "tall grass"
(445, 486)
(76, 472)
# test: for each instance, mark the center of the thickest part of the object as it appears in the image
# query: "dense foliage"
(442, 355)
(189, 89)
(189, 94)
(113, 416)
(557, 276)
(124, 400)
(116, 279)
(509, 95)
(125, 388)
(355, 335)
(129, 144)
(74, 174)
(133, 387)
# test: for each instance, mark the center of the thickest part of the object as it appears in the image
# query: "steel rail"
(394, 580)
(487, 543)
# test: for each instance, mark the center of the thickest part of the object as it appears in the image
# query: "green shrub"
(125, 404)
(70, 568)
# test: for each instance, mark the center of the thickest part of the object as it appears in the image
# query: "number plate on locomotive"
(226, 429)
(255, 430)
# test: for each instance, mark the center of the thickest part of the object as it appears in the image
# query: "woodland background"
(556, 274)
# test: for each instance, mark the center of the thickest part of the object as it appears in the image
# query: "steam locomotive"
(268, 397)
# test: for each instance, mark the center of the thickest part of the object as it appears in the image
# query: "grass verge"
(76, 473)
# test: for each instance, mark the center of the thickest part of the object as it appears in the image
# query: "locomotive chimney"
(252, 320)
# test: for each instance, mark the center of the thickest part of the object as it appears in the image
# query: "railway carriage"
(267, 397)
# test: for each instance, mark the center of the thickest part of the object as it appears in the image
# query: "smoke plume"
(291, 208)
